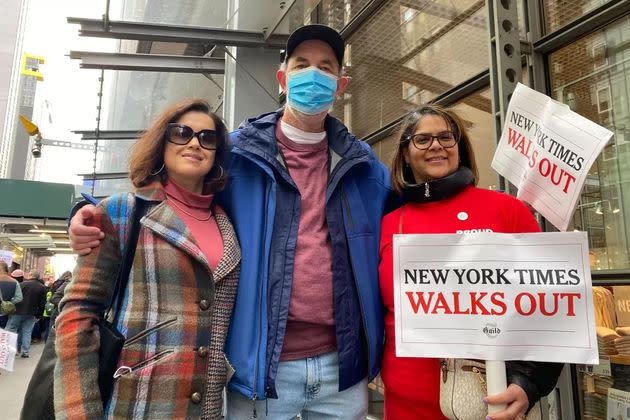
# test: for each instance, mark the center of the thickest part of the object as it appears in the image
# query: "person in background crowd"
(42, 322)
(181, 290)
(45, 321)
(58, 289)
(22, 322)
(435, 173)
(306, 198)
(49, 279)
(18, 275)
(11, 290)
(64, 278)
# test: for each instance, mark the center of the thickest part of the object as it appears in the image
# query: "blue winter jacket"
(264, 205)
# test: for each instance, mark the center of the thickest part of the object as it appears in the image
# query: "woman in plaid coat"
(181, 288)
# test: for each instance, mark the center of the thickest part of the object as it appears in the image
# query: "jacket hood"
(258, 135)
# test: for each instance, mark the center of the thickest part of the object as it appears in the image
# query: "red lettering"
(543, 306)
(532, 159)
(475, 302)
(549, 169)
(415, 305)
(441, 303)
(544, 173)
(513, 137)
(532, 303)
(570, 179)
(457, 310)
(497, 300)
(570, 296)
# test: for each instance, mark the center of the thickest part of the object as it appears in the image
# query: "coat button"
(202, 351)
(204, 304)
(195, 397)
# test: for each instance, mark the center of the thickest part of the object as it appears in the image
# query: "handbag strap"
(139, 210)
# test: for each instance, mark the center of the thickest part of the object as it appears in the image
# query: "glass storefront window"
(409, 52)
(337, 13)
(106, 187)
(558, 13)
(476, 111)
(181, 12)
(132, 99)
(612, 317)
(386, 148)
(592, 76)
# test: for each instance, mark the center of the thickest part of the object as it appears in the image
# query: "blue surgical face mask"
(311, 91)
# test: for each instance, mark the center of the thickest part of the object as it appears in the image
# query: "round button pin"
(462, 215)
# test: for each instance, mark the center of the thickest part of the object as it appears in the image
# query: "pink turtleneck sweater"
(205, 232)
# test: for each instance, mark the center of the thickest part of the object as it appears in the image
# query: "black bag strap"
(139, 210)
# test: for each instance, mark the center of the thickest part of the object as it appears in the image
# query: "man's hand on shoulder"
(83, 237)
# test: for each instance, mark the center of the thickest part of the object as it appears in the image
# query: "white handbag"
(463, 387)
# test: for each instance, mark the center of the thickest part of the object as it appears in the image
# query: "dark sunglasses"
(182, 134)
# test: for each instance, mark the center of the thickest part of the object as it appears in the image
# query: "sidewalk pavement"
(13, 384)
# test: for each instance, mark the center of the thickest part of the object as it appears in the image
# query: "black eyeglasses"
(182, 134)
(423, 141)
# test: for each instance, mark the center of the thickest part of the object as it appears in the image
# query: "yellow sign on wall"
(29, 69)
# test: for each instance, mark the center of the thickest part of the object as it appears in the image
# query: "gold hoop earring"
(156, 173)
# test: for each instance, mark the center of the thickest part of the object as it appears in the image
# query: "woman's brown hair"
(147, 155)
(401, 172)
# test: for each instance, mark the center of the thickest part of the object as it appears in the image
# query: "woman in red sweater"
(434, 172)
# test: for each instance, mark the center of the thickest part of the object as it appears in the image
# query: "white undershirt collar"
(299, 136)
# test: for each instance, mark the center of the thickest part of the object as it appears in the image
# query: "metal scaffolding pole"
(177, 33)
(109, 134)
(149, 62)
(505, 61)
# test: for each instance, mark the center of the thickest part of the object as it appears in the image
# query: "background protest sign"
(494, 296)
(546, 150)
(6, 256)
(8, 349)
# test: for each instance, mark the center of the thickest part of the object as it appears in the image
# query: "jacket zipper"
(244, 154)
(283, 277)
(125, 370)
(146, 332)
(255, 396)
(367, 341)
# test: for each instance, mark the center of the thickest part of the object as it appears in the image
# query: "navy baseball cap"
(320, 32)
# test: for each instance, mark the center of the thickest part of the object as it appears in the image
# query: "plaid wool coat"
(175, 317)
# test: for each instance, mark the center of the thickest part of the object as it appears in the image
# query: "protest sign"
(494, 296)
(8, 349)
(6, 256)
(546, 150)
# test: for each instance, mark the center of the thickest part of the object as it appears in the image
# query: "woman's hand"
(515, 399)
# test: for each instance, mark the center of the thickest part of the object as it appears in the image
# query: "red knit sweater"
(412, 385)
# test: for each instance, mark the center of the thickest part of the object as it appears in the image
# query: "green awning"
(35, 199)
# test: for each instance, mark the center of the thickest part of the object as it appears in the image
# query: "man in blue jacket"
(306, 199)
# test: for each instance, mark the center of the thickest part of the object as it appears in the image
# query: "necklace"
(203, 219)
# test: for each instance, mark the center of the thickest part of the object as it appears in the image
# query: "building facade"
(12, 26)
